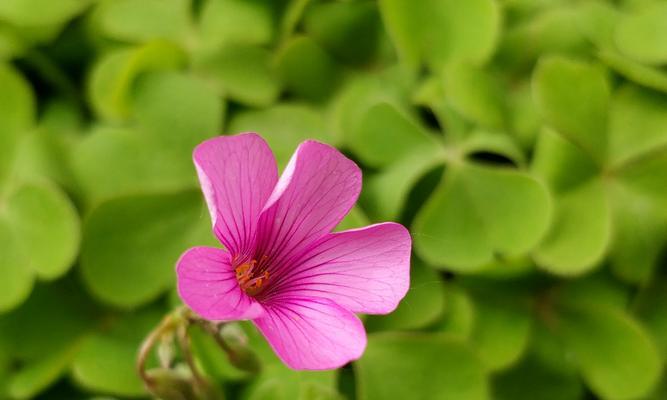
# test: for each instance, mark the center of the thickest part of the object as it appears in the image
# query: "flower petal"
(314, 193)
(207, 284)
(365, 270)
(312, 334)
(237, 175)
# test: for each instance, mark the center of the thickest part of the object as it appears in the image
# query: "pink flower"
(282, 268)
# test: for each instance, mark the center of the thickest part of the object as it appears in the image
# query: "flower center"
(252, 276)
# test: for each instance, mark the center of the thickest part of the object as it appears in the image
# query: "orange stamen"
(251, 278)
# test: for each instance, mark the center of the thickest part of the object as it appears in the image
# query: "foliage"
(523, 142)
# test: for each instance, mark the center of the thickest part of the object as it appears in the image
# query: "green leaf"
(422, 306)
(358, 95)
(348, 30)
(547, 346)
(141, 237)
(243, 73)
(648, 76)
(597, 21)
(17, 109)
(559, 85)
(143, 20)
(385, 135)
(134, 169)
(476, 94)
(385, 194)
(638, 124)
(639, 34)
(112, 78)
(283, 126)
(581, 231)
(23, 12)
(438, 32)
(277, 382)
(106, 360)
(551, 30)
(598, 289)
(640, 232)
(17, 278)
(501, 331)
(560, 163)
(532, 380)
(460, 314)
(179, 109)
(43, 335)
(282, 384)
(491, 142)
(617, 358)
(291, 17)
(306, 70)
(11, 43)
(174, 113)
(477, 212)
(645, 175)
(524, 118)
(454, 371)
(225, 22)
(651, 304)
(46, 226)
(36, 376)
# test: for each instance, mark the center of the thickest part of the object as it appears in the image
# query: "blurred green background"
(523, 142)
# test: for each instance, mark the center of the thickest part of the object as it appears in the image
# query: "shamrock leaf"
(437, 32)
(605, 169)
(455, 371)
(161, 224)
(173, 112)
(105, 361)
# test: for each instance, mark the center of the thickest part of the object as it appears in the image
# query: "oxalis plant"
(522, 143)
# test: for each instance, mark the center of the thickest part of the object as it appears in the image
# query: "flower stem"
(166, 325)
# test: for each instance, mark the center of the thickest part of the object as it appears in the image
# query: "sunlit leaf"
(581, 232)
(477, 212)
(23, 12)
(501, 332)
(385, 135)
(141, 20)
(17, 277)
(105, 361)
(638, 34)
(236, 21)
(617, 358)
(306, 70)
(454, 370)
(460, 314)
(141, 237)
(475, 94)
(638, 124)
(47, 228)
(173, 114)
(112, 78)
(559, 86)
(17, 109)
(283, 126)
(438, 32)
(243, 73)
